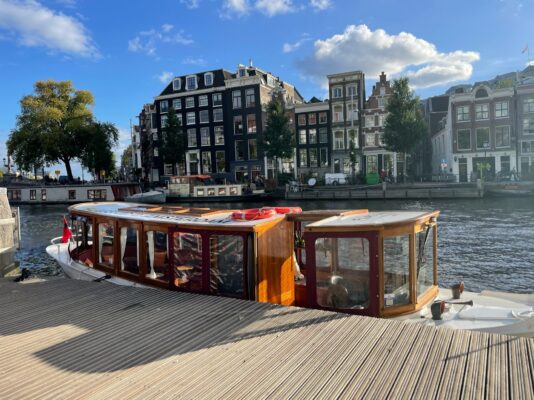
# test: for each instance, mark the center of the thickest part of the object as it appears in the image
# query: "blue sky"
(124, 51)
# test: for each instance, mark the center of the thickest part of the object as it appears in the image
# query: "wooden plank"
(521, 385)
(476, 367)
(453, 373)
(497, 368)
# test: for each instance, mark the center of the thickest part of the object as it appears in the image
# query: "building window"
(528, 105)
(191, 119)
(369, 121)
(33, 194)
(464, 139)
(505, 164)
(323, 156)
(167, 169)
(16, 195)
(252, 149)
(323, 119)
(370, 139)
(191, 82)
(180, 118)
(176, 84)
(155, 152)
(338, 140)
(204, 116)
(206, 162)
(501, 109)
(192, 137)
(205, 136)
(502, 136)
(301, 119)
(72, 194)
(372, 163)
(250, 98)
(251, 123)
(219, 135)
(220, 160)
(238, 125)
(352, 112)
(323, 135)
(483, 138)
(382, 91)
(203, 100)
(303, 157)
(240, 150)
(462, 113)
(217, 114)
(163, 106)
(338, 113)
(382, 102)
(302, 136)
(528, 126)
(177, 104)
(314, 162)
(43, 194)
(481, 111)
(351, 91)
(189, 102)
(208, 79)
(216, 98)
(312, 119)
(313, 136)
(236, 99)
(163, 121)
(337, 92)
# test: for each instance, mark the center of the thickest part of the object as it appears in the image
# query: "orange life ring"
(254, 213)
(288, 210)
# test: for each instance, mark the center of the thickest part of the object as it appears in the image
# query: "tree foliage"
(174, 141)
(126, 159)
(54, 126)
(99, 138)
(278, 139)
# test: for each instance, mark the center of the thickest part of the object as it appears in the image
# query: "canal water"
(487, 243)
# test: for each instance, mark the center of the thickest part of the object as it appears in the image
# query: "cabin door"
(342, 271)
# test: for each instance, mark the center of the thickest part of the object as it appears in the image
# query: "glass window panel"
(187, 261)
(226, 265)
(129, 250)
(105, 243)
(425, 260)
(396, 270)
(342, 272)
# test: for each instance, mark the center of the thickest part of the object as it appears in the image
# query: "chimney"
(382, 77)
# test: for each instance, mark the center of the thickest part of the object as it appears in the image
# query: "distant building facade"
(525, 126)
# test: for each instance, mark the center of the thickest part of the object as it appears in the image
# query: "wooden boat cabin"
(379, 264)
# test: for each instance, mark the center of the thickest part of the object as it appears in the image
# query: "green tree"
(278, 141)
(354, 153)
(174, 141)
(53, 119)
(127, 162)
(405, 127)
(99, 138)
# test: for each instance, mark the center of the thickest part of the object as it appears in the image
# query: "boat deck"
(61, 338)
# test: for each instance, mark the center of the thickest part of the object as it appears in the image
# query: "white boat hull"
(152, 197)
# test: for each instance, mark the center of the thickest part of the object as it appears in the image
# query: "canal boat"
(150, 197)
(378, 264)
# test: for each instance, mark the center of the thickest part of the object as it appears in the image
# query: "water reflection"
(487, 243)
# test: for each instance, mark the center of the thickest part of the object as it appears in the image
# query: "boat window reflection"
(187, 261)
(157, 256)
(226, 265)
(425, 260)
(83, 238)
(342, 272)
(129, 250)
(106, 233)
(396, 270)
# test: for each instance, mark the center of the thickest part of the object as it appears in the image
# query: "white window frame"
(466, 116)
(255, 124)
(215, 103)
(509, 136)
(502, 109)
(210, 75)
(163, 120)
(177, 102)
(203, 100)
(204, 117)
(218, 112)
(189, 120)
(458, 139)
(190, 102)
(334, 92)
(175, 86)
(481, 109)
(528, 105)
(236, 94)
(205, 139)
(338, 146)
(187, 87)
(192, 137)
(163, 109)
(219, 133)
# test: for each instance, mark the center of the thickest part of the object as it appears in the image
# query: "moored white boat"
(150, 197)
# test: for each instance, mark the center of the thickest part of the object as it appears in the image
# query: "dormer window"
(242, 72)
(176, 84)
(191, 82)
(208, 79)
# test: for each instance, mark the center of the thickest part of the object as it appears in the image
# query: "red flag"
(67, 234)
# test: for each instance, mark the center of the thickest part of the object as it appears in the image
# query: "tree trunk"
(69, 169)
(404, 169)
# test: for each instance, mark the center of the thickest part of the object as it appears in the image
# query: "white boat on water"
(150, 197)
(380, 264)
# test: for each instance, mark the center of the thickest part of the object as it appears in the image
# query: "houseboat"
(378, 264)
(70, 193)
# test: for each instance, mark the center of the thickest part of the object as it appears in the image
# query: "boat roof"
(194, 217)
(375, 220)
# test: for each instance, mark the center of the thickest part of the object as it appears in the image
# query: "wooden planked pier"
(61, 338)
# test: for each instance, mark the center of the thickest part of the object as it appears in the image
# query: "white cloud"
(320, 4)
(35, 25)
(231, 8)
(199, 61)
(165, 76)
(191, 3)
(147, 41)
(359, 48)
(274, 7)
(290, 47)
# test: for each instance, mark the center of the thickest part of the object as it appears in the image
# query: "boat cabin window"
(106, 233)
(396, 270)
(157, 256)
(82, 234)
(342, 272)
(226, 265)
(187, 258)
(425, 259)
(129, 240)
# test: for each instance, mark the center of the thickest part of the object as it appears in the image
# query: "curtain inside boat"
(124, 233)
(150, 240)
